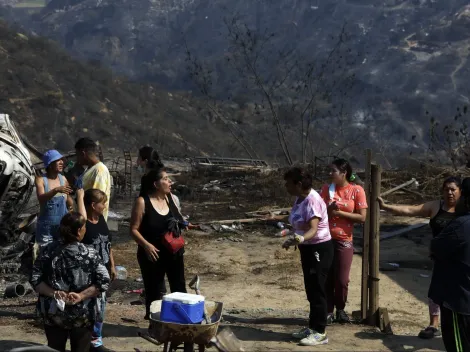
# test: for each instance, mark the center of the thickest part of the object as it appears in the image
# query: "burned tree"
(450, 143)
(297, 93)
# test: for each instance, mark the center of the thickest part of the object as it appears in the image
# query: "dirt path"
(262, 290)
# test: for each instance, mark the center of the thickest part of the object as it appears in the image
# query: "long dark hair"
(452, 179)
(150, 178)
(299, 175)
(463, 205)
(70, 224)
(152, 157)
(344, 167)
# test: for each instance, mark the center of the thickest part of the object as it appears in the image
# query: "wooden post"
(365, 242)
(374, 245)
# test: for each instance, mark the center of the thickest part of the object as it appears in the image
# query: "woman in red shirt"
(347, 205)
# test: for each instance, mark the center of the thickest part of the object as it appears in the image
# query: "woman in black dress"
(149, 223)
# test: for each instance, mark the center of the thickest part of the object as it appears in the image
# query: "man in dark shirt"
(450, 284)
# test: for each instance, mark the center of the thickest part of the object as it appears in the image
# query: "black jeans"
(455, 330)
(316, 263)
(153, 275)
(79, 338)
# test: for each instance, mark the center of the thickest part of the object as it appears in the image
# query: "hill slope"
(54, 100)
(414, 53)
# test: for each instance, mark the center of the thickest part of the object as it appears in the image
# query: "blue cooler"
(182, 308)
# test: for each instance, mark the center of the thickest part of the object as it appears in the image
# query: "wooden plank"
(241, 221)
(374, 246)
(386, 235)
(394, 189)
(365, 242)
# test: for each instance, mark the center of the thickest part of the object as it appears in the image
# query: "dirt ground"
(260, 286)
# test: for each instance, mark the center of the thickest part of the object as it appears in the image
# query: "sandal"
(429, 333)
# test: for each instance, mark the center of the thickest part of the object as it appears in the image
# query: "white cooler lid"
(185, 298)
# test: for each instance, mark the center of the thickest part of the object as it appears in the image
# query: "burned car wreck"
(17, 175)
(16, 179)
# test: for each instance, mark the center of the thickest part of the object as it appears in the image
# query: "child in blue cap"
(53, 193)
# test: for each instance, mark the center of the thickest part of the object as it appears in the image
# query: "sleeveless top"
(50, 215)
(440, 220)
(154, 225)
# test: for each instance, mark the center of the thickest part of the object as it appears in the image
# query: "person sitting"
(68, 276)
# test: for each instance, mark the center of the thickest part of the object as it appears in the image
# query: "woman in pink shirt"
(309, 219)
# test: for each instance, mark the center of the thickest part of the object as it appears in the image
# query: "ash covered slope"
(414, 47)
(415, 51)
(54, 99)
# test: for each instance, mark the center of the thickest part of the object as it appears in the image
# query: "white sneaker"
(302, 334)
(314, 339)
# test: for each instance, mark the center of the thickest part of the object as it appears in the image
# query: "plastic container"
(182, 308)
(121, 273)
(283, 233)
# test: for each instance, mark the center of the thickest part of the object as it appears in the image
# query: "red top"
(349, 199)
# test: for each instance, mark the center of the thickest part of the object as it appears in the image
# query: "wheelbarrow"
(173, 335)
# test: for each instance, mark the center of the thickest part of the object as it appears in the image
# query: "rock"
(232, 207)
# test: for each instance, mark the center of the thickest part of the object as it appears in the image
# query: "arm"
(111, 264)
(37, 279)
(313, 229)
(360, 207)
(359, 217)
(44, 196)
(100, 283)
(81, 202)
(136, 220)
(69, 200)
(425, 210)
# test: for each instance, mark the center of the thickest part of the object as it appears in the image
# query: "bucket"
(15, 290)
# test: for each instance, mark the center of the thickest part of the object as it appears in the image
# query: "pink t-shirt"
(311, 207)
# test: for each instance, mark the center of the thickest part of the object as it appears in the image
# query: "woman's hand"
(74, 298)
(60, 295)
(289, 242)
(80, 193)
(381, 202)
(332, 207)
(152, 252)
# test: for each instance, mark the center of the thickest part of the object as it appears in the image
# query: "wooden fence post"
(365, 242)
(374, 244)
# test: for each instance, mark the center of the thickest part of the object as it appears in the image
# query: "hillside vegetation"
(54, 99)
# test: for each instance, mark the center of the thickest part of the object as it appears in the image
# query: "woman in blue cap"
(53, 192)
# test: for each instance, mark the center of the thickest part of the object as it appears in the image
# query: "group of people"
(73, 259)
(74, 262)
(323, 230)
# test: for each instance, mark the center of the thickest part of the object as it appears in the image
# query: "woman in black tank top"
(149, 223)
(440, 214)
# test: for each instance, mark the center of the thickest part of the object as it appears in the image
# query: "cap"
(50, 156)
